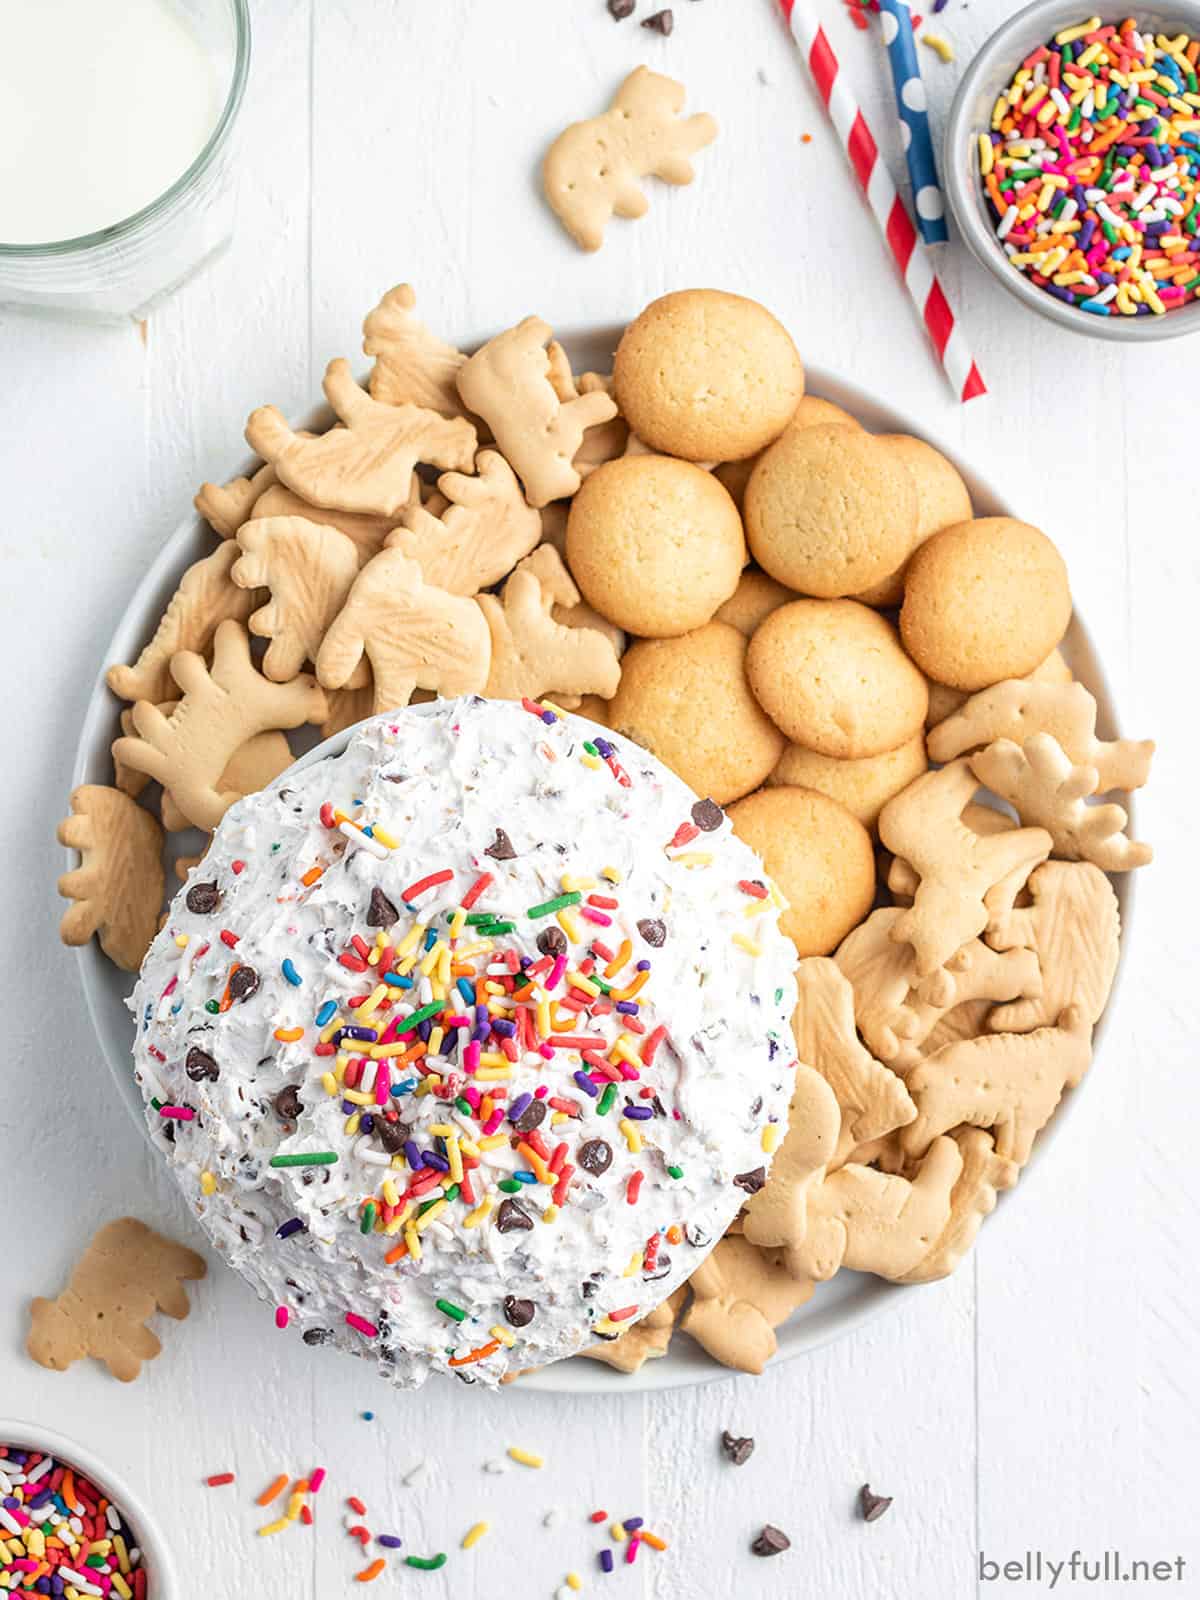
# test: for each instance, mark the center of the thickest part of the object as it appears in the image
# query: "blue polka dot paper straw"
(928, 202)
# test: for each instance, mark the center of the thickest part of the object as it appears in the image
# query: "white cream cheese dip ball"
(462, 1044)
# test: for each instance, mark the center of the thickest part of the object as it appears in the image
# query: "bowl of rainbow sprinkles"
(69, 1527)
(1072, 165)
(467, 1039)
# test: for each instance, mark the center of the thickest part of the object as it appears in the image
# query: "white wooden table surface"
(1046, 1397)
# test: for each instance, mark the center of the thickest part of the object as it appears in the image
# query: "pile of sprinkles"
(1092, 169)
(60, 1535)
(445, 1008)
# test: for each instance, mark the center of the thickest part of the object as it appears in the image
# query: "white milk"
(103, 105)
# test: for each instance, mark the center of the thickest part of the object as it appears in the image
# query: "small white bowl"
(971, 114)
(161, 1581)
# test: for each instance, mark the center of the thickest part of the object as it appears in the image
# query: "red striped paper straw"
(884, 200)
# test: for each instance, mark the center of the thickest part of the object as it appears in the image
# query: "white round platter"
(850, 1298)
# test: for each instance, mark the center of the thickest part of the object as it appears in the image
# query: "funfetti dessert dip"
(468, 1044)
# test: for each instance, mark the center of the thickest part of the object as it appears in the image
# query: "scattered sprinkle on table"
(1091, 167)
(631, 1531)
(426, 1563)
(273, 1490)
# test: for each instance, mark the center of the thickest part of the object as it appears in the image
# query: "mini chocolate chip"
(618, 10)
(381, 913)
(200, 1064)
(501, 848)
(203, 898)
(771, 1542)
(518, 1313)
(317, 1335)
(699, 1238)
(653, 931)
(288, 1104)
(707, 815)
(511, 1216)
(589, 1286)
(243, 983)
(168, 1132)
(738, 1450)
(552, 942)
(872, 1506)
(392, 1135)
(752, 1182)
(595, 1156)
(662, 22)
(532, 1117)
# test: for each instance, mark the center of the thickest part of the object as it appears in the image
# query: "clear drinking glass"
(128, 267)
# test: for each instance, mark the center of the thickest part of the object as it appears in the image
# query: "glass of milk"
(116, 122)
